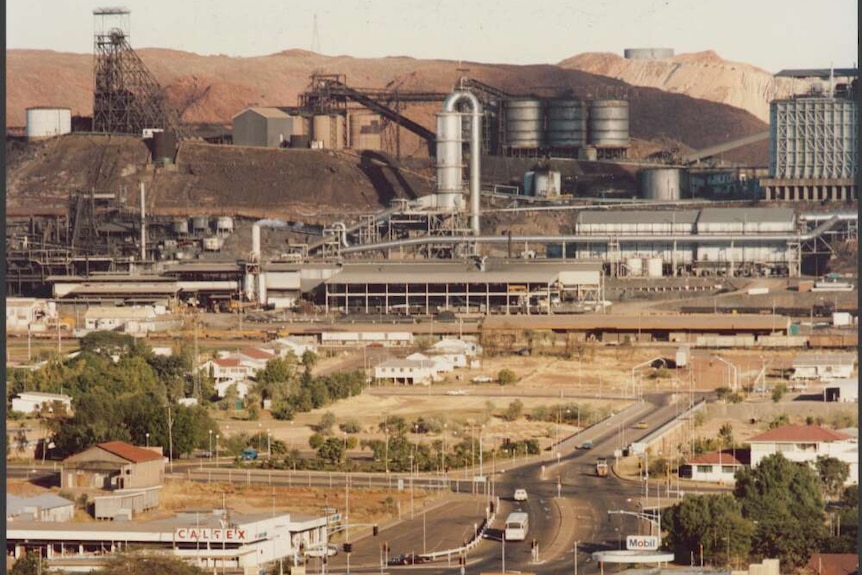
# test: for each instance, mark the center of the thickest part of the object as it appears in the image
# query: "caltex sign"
(212, 535)
(642, 543)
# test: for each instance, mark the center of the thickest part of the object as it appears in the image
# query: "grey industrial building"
(265, 127)
(813, 141)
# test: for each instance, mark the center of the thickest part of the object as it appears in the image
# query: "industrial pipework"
(449, 156)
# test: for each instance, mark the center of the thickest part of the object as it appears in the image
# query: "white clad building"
(29, 402)
(128, 319)
(823, 366)
(44, 507)
(805, 443)
(407, 371)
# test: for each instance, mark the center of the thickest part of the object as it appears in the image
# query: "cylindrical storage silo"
(566, 123)
(546, 183)
(224, 225)
(164, 146)
(609, 123)
(48, 122)
(329, 130)
(366, 129)
(255, 242)
(211, 244)
(200, 224)
(181, 227)
(654, 267)
(635, 267)
(663, 184)
(450, 164)
(524, 124)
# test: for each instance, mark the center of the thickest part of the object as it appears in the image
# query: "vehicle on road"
(456, 392)
(520, 495)
(641, 425)
(482, 379)
(409, 559)
(322, 551)
(516, 527)
(587, 445)
(602, 467)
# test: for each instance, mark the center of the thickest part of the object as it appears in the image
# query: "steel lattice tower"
(127, 98)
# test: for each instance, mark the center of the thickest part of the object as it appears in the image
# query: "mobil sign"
(642, 543)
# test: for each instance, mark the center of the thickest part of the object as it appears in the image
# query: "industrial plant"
(447, 250)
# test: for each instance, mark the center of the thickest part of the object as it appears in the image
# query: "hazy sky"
(772, 34)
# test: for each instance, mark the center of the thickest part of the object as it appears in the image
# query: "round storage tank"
(329, 130)
(546, 183)
(654, 267)
(224, 225)
(609, 123)
(635, 267)
(524, 124)
(567, 123)
(663, 184)
(181, 227)
(164, 146)
(365, 131)
(200, 224)
(48, 122)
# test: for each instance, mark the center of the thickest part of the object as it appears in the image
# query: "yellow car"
(641, 425)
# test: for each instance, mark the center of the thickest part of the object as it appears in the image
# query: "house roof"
(256, 353)
(408, 363)
(129, 452)
(16, 504)
(43, 395)
(725, 457)
(264, 111)
(834, 563)
(226, 361)
(806, 433)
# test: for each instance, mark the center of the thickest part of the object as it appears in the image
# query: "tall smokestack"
(143, 223)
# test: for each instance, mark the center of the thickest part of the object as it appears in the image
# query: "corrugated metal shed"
(748, 220)
(704, 323)
(639, 217)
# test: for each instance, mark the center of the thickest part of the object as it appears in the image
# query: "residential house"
(114, 465)
(242, 387)
(227, 369)
(45, 507)
(406, 371)
(823, 366)
(833, 564)
(441, 364)
(716, 466)
(254, 358)
(805, 443)
(30, 402)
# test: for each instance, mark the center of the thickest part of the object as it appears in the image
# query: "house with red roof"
(227, 370)
(716, 466)
(805, 443)
(114, 465)
(833, 564)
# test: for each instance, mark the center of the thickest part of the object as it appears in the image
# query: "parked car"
(321, 551)
(641, 425)
(587, 445)
(520, 495)
(409, 559)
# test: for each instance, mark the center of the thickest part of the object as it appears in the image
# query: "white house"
(821, 366)
(805, 443)
(45, 507)
(718, 466)
(128, 319)
(28, 402)
(242, 387)
(254, 358)
(298, 346)
(406, 371)
(227, 369)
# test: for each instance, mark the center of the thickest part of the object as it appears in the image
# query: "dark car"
(409, 559)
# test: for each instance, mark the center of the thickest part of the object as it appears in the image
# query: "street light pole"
(576, 557)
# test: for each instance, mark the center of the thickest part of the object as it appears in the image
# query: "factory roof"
(119, 312)
(814, 358)
(647, 323)
(199, 267)
(818, 73)
(265, 112)
(732, 215)
(496, 272)
(639, 217)
(16, 504)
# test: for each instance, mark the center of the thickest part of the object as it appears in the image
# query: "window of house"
(704, 468)
(727, 469)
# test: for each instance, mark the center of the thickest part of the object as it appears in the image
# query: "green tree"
(725, 435)
(514, 411)
(784, 499)
(332, 451)
(30, 564)
(506, 377)
(833, 473)
(279, 372)
(714, 521)
(142, 563)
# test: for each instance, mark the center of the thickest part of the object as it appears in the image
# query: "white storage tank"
(654, 267)
(635, 267)
(45, 122)
(224, 225)
(212, 244)
(546, 183)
